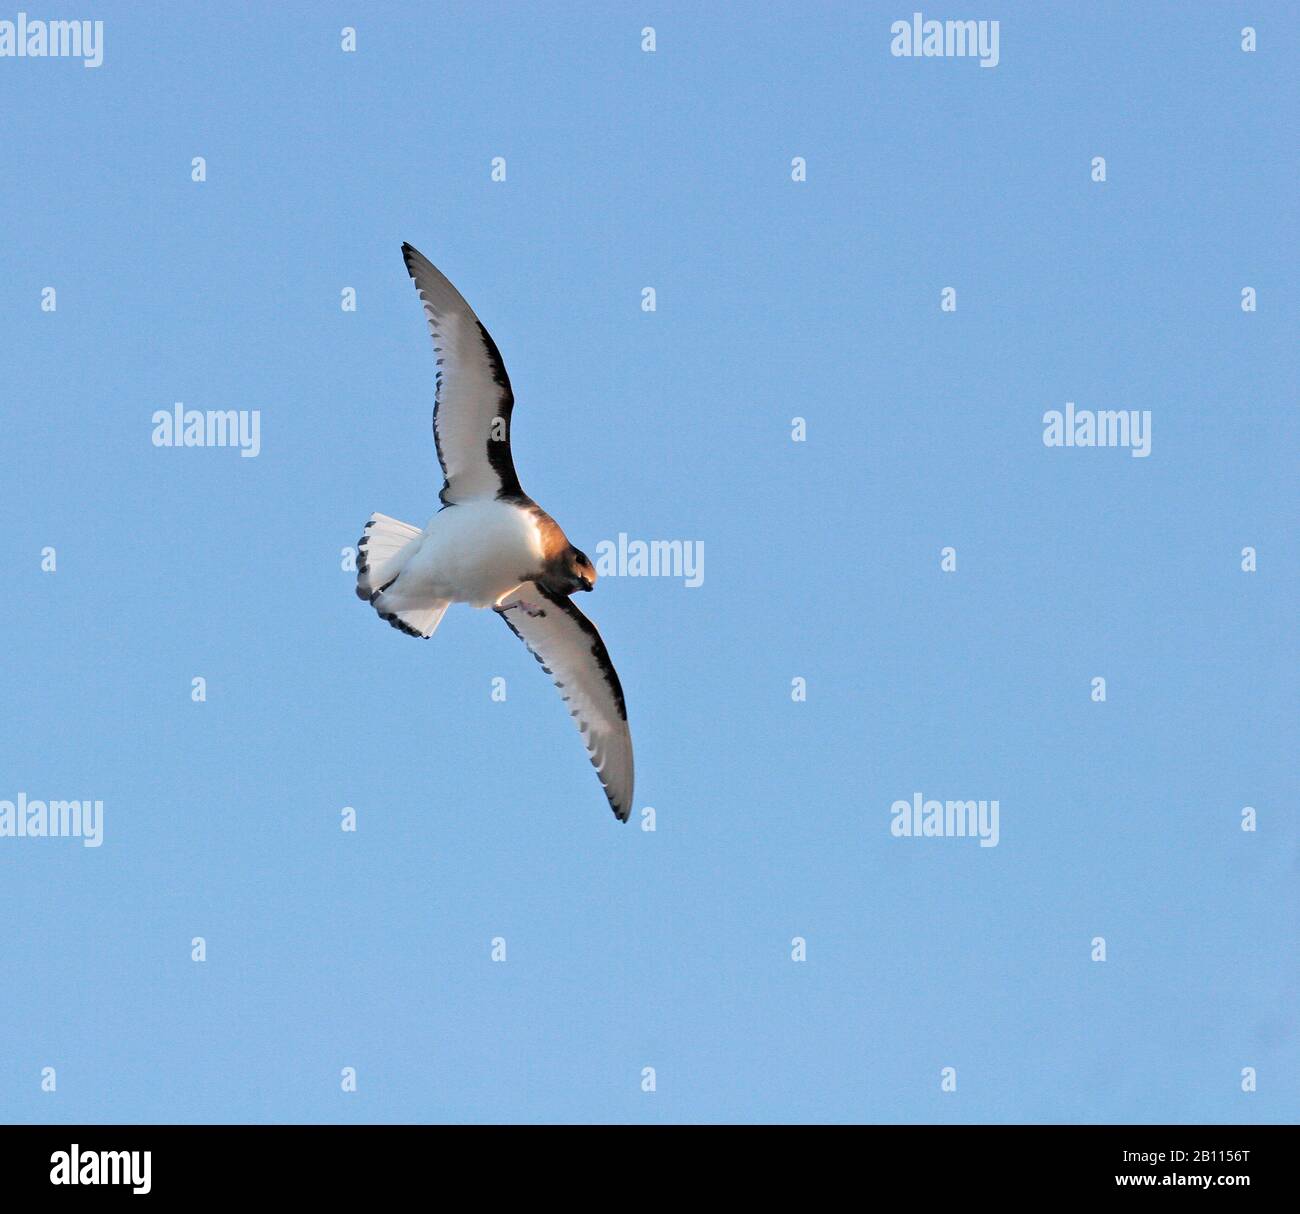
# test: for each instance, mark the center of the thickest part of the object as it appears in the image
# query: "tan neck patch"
(554, 542)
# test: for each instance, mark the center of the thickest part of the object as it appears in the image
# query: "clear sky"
(775, 299)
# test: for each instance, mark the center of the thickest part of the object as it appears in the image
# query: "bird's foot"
(531, 609)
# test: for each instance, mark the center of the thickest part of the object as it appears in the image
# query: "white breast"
(476, 552)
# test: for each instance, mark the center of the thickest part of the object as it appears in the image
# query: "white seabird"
(490, 544)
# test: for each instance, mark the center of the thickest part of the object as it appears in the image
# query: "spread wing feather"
(570, 650)
(473, 401)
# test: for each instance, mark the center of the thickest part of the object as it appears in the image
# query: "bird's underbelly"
(473, 553)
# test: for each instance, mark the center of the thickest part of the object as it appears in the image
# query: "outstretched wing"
(473, 402)
(570, 650)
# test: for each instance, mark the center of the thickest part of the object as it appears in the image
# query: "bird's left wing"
(474, 401)
(570, 650)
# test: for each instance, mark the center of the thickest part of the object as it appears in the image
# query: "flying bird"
(490, 544)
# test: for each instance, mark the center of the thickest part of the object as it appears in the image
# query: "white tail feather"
(414, 621)
(381, 552)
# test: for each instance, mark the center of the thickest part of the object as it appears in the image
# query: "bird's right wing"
(570, 650)
(473, 401)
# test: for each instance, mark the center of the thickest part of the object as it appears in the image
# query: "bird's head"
(581, 572)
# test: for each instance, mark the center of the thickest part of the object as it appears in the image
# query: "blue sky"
(776, 299)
